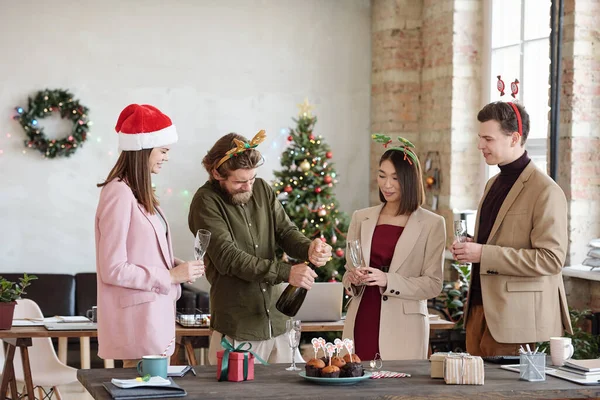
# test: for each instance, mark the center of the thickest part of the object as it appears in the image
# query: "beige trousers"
(275, 350)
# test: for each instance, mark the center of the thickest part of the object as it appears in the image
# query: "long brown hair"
(132, 167)
(412, 193)
(248, 159)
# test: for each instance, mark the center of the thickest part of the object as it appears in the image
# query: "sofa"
(69, 295)
(65, 294)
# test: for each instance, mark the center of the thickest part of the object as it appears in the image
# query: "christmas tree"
(305, 188)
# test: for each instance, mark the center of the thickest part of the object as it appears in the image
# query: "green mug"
(153, 365)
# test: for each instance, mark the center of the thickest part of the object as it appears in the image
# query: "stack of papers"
(137, 382)
(49, 320)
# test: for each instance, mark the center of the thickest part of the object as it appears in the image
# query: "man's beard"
(240, 198)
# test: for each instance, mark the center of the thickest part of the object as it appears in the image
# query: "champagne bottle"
(291, 299)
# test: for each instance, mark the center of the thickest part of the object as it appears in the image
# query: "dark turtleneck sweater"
(509, 174)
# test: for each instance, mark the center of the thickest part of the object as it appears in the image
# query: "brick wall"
(426, 87)
(395, 80)
(579, 152)
(579, 165)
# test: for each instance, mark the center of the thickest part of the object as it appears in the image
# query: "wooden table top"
(40, 331)
(274, 382)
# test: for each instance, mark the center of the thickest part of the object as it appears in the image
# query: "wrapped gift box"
(463, 369)
(437, 364)
(236, 366)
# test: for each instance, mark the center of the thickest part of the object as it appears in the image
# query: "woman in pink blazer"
(403, 247)
(138, 276)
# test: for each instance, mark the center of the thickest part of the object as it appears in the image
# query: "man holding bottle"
(247, 223)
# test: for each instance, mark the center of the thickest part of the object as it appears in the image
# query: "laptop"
(71, 326)
(323, 303)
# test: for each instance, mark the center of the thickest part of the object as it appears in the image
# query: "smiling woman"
(138, 276)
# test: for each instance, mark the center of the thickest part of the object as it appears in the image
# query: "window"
(518, 39)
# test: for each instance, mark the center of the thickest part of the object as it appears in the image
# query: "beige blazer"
(415, 275)
(521, 263)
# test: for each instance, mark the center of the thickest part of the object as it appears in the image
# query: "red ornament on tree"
(290, 138)
(339, 252)
(329, 154)
(311, 137)
(318, 189)
(328, 179)
(287, 189)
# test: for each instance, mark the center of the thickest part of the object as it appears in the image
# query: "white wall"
(213, 66)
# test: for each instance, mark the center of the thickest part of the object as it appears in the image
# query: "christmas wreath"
(42, 105)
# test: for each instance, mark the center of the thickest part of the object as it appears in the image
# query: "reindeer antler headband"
(514, 89)
(241, 147)
(405, 146)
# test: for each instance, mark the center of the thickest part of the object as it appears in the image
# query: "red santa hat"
(144, 127)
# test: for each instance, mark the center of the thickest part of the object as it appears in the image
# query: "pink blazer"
(136, 300)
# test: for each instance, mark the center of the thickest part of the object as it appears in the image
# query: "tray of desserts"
(334, 370)
(193, 318)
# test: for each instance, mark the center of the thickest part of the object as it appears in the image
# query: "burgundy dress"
(366, 324)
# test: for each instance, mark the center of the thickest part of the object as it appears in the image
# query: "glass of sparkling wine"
(293, 329)
(201, 243)
(355, 251)
(460, 233)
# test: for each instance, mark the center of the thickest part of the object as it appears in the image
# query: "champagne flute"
(460, 233)
(293, 329)
(355, 250)
(201, 243)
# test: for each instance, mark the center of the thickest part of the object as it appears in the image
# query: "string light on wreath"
(42, 105)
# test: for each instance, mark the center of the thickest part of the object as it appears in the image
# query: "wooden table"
(273, 382)
(21, 337)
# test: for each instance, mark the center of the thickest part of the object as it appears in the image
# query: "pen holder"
(532, 367)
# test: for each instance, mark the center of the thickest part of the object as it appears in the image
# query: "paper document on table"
(68, 318)
(27, 322)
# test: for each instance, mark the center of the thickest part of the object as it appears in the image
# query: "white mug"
(561, 350)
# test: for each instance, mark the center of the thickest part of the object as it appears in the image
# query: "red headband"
(514, 89)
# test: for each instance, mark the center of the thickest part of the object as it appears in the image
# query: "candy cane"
(315, 345)
(164, 353)
(330, 347)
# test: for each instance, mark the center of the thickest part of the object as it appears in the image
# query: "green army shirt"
(241, 265)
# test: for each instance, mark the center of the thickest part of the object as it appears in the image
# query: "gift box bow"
(228, 347)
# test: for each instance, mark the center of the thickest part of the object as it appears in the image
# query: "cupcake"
(314, 367)
(331, 371)
(352, 369)
(338, 362)
(354, 359)
(325, 360)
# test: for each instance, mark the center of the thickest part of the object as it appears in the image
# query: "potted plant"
(10, 292)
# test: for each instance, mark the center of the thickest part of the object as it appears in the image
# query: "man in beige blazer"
(516, 293)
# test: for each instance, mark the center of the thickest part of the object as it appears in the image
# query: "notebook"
(558, 373)
(71, 326)
(145, 392)
(323, 303)
(178, 370)
(592, 365)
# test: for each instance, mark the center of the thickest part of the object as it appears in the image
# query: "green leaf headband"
(405, 146)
